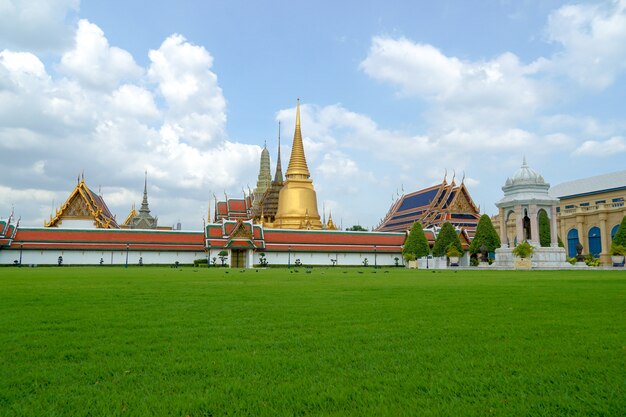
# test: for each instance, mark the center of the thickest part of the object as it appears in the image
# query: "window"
(600, 201)
(571, 206)
(618, 199)
(584, 204)
(558, 209)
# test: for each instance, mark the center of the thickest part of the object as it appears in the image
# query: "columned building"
(590, 211)
(526, 195)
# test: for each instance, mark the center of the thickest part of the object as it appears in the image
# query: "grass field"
(333, 342)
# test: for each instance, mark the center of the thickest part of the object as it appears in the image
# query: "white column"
(534, 224)
(554, 237)
(503, 237)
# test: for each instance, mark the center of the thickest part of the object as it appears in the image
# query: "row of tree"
(416, 245)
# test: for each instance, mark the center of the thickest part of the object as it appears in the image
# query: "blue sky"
(393, 94)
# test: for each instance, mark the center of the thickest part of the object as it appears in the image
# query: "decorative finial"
(524, 164)
(445, 174)
(297, 162)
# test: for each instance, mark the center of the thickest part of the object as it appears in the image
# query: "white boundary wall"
(90, 257)
(87, 257)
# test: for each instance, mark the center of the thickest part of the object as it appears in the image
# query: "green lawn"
(198, 342)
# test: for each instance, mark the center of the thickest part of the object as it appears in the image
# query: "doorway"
(237, 258)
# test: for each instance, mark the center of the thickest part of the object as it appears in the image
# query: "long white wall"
(80, 257)
(325, 258)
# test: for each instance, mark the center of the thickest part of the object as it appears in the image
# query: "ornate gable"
(462, 202)
(85, 205)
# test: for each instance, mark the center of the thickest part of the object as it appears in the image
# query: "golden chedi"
(297, 201)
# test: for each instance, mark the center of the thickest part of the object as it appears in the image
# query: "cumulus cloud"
(36, 25)
(593, 37)
(196, 105)
(102, 116)
(462, 94)
(94, 63)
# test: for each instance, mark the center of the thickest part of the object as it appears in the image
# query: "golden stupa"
(297, 201)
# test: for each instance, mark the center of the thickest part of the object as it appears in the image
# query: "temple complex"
(433, 206)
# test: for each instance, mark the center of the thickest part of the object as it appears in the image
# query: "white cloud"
(132, 100)
(103, 119)
(96, 64)
(461, 94)
(36, 25)
(606, 148)
(593, 37)
(416, 68)
(196, 105)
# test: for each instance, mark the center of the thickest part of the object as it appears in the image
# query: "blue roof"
(418, 200)
(463, 216)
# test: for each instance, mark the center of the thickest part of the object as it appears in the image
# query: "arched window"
(572, 241)
(614, 231)
(595, 246)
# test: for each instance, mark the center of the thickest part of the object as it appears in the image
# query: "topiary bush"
(447, 235)
(416, 243)
(485, 233)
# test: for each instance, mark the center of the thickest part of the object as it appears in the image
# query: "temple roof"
(525, 175)
(84, 204)
(433, 206)
(234, 208)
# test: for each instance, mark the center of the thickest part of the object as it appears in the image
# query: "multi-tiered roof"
(432, 207)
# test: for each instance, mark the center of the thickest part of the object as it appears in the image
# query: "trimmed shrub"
(485, 233)
(416, 243)
(447, 236)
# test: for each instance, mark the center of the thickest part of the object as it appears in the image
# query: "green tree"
(620, 236)
(357, 228)
(544, 229)
(416, 242)
(447, 235)
(485, 233)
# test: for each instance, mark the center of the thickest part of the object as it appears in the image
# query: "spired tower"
(263, 181)
(144, 220)
(297, 201)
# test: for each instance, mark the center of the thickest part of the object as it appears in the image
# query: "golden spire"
(297, 163)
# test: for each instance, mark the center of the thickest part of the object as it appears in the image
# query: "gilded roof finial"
(278, 175)
(297, 162)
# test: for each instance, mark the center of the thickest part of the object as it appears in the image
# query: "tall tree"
(485, 233)
(620, 235)
(416, 242)
(544, 229)
(447, 236)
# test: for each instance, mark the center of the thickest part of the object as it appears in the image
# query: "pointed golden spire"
(297, 162)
